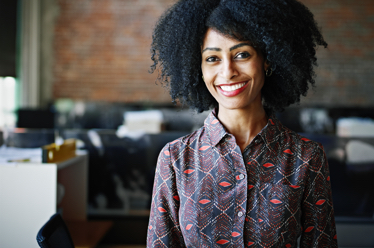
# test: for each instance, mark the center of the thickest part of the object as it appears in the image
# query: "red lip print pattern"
(189, 171)
(162, 210)
(222, 242)
(268, 165)
(275, 201)
(225, 184)
(205, 201)
(203, 148)
(288, 151)
(214, 121)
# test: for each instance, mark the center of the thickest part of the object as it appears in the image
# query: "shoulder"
(300, 140)
(298, 145)
(175, 147)
(298, 153)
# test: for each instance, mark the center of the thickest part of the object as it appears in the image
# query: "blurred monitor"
(35, 118)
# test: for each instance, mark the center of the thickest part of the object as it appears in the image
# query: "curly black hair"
(284, 31)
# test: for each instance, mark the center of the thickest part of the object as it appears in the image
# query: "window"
(8, 101)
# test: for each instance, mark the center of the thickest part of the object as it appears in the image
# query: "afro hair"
(284, 31)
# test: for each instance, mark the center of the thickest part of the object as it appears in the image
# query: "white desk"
(28, 198)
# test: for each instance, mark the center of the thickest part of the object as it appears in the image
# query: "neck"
(244, 124)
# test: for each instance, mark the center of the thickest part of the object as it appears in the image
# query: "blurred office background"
(74, 68)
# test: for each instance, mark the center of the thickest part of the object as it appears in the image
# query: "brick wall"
(345, 75)
(102, 51)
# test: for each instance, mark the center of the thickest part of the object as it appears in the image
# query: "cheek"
(210, 88)
(204, 70)
(257, 68)
(208, 77)
(258, 73)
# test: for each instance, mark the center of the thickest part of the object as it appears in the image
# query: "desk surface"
(87, 234)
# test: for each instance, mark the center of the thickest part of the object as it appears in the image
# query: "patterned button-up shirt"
(207, 193)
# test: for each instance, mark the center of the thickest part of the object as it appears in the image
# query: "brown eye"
(242, 55)
(211, 59)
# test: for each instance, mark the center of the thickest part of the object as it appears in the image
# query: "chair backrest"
(54, 234)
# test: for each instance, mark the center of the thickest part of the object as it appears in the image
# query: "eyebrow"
(231, 48)
(212, 49)
(239, 45)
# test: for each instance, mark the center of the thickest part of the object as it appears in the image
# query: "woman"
(243, 179)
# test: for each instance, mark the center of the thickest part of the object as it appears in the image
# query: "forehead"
(216, 39)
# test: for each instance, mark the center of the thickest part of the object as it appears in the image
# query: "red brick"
(102, 51)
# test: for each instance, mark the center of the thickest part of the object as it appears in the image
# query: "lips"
(231, 90)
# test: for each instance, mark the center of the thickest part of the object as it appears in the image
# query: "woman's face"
(234, 72)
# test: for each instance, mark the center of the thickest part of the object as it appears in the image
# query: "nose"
(228, 70)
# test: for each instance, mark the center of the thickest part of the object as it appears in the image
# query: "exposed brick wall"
(345, 75)
(102, 51)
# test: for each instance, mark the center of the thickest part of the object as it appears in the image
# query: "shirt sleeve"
(163, 227)
(318, 223)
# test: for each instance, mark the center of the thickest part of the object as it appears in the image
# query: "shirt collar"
(216, 131)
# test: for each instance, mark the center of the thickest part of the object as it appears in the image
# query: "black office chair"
(54, 234)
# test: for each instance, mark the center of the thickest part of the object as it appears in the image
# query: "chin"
(233, 106)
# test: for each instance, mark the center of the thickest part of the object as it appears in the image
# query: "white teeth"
(232, 87)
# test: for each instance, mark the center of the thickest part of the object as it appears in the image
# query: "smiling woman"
(243, 179)
(234, 74)
(231, 67)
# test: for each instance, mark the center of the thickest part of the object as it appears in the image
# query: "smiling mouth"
(232, 87)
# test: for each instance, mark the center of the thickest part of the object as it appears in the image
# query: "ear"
(266, 65)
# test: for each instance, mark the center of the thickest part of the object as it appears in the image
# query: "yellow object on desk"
(56, 153)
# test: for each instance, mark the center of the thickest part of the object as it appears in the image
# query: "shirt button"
(241, 176)
(240, 214)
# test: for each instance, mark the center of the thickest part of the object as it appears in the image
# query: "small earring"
(203, 78)
(267, 73)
